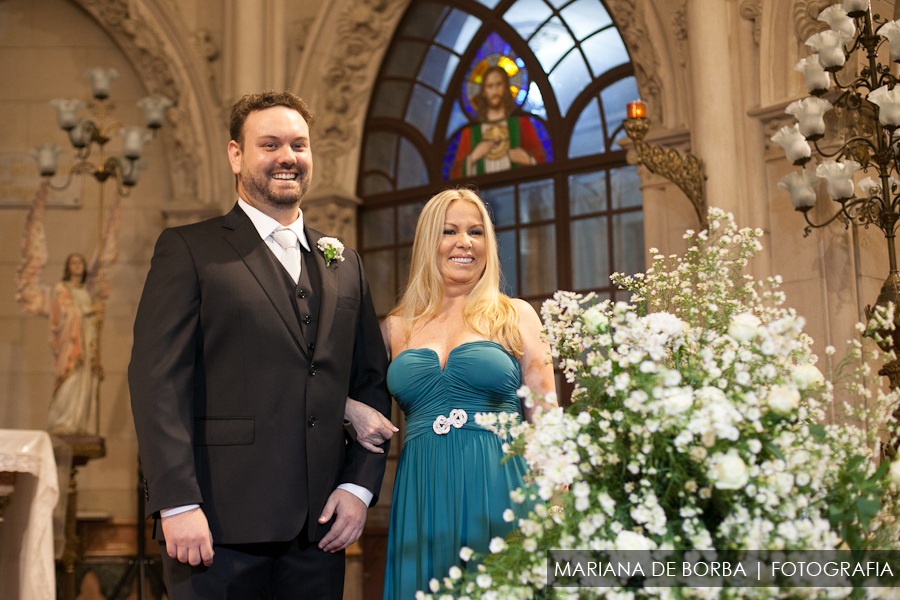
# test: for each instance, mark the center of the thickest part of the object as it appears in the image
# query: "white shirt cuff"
(170, 512)
(358, 491)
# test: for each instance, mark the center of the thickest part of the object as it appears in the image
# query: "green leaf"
(775, 450)
(868, 508)
(817, 430)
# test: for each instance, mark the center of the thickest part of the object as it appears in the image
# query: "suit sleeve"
(367, 385)
(162, 375)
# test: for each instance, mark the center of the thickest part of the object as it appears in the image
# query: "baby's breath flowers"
(696, 425)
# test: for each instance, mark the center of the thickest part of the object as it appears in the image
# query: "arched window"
(523, 99)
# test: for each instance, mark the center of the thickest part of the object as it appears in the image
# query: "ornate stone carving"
(209, 51)
(364, 28)
(805, 14)
(302, 29)
(332, 215)
(143, 43)
(636, 35)
(679, 25)
(751, 10)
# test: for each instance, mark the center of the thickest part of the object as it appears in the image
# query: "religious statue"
(499, 140)
(75, 309)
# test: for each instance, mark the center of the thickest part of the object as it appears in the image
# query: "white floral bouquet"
(696, 426)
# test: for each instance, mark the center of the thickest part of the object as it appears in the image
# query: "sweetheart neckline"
(444, 367)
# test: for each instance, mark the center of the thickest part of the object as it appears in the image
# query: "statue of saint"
(73, 339)
(500, 140)
(75, 309)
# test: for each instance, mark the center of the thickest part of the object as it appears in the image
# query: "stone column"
(713, 111)
(255, 53)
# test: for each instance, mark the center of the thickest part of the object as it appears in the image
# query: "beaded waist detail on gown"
(479, 376)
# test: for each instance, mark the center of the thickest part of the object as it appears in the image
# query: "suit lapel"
(244, 238)
(328, 277)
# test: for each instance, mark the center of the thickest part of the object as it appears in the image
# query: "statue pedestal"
(84, 448)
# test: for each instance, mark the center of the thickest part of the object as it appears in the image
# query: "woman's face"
(75, 267)
(461, 253)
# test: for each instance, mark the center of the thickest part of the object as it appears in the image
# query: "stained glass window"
(524, 100)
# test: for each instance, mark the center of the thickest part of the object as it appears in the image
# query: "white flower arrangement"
(332, 248)
(695, 427)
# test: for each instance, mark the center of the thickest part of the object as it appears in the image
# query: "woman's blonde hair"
(487, 311)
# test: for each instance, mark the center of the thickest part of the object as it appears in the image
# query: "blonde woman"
(459, 347)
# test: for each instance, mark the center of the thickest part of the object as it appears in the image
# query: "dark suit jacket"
(232, 410)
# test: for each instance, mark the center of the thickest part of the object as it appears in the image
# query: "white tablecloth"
(27, 570)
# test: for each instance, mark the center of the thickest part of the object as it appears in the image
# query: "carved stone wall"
(170, 63)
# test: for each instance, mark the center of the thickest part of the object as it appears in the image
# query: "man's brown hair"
(252, 103)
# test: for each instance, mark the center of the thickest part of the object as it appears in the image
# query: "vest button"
(302, 293)
(312, 370)
(312, 421)
(307, 319)
(312, 347)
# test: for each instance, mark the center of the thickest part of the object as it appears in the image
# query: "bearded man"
(500, 140)
(251, 332)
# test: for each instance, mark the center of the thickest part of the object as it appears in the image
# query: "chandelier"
(871, 102)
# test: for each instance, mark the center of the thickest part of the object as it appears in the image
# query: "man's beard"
(258, 186)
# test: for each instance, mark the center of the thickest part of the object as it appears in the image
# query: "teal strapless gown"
(450, 490)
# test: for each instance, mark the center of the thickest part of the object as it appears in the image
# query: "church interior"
(395, 87)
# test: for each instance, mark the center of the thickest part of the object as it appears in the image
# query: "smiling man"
(246, 343)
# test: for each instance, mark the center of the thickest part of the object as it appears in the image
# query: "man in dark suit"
(247, 342)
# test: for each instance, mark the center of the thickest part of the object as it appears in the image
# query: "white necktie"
(287, 239)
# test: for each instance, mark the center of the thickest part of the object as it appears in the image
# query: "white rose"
(678, 400)
(806, 376)
(743, 326)
(783, 399)
(666, 323)
(594, 320)
(484, 580)
(895, 472)
(509, 516)
(455, 572)
(731, 473)
(629, 540)
(434, 585)
(497, 545)
(465, 553)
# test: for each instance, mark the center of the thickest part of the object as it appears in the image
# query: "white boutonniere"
(332, 248)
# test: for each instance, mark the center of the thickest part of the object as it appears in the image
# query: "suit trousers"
(271, 570)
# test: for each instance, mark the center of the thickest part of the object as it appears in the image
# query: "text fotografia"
(801, 568)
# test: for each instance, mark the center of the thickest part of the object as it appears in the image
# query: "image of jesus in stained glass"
(499, 140)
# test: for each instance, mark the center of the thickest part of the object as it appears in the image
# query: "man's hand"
(372, 428)
(348, 526)
(188, 538)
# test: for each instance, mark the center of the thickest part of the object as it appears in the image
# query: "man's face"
(493, 89)
(274, 167)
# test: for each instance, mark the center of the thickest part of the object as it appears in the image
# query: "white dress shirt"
(266, 226)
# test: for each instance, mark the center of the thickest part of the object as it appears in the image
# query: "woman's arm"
(536, 363)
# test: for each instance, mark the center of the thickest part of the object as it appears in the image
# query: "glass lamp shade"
(829, 45)
(795, 146)
(872, 187)
(130, 170)
(801, 187)
(810, 114)
(135, 138)
(856, 8)
(100, 81)
(838, 178)
(888, 102)
(891, 31)
(817, 79)
(837, 19)
(66, 112)
(46, 156)
(80, 135)
(154, 108)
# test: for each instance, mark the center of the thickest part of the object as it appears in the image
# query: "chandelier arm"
(843, 211)
(79, 168)
(844, 147)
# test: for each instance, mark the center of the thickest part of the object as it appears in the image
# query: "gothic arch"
(155, 41)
